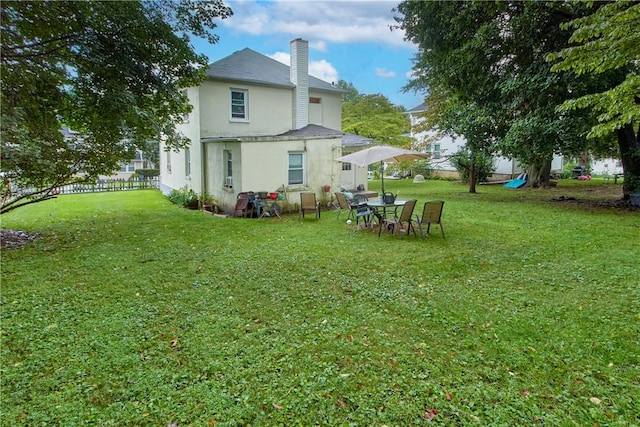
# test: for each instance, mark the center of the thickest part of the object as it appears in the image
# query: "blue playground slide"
(520, 181)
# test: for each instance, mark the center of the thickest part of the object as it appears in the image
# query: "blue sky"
(348, 40)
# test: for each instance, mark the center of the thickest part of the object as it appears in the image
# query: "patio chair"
(243, 205)
(431, 214)
(344, 205)
(308, 203)
(404, 220)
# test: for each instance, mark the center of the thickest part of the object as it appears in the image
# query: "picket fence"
(110, 184)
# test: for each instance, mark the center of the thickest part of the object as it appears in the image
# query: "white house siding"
(606, 167)
(269, 110)
(261, 164)
(177, 178)
(329, 112)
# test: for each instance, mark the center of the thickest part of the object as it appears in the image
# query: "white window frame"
(303, 168)
(436, 151)
(228, 169)
(128, 167)
(245, 105)
(168, 153)
(187, 162)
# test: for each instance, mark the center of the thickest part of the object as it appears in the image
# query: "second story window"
(239, 104)
(436, 151)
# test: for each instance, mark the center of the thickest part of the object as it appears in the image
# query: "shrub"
(148, 173)
(183, 197)
(462, 162)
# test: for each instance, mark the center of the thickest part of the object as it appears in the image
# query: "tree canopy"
(606, 44)
(484, 66)
(112, 71)
(373, 116)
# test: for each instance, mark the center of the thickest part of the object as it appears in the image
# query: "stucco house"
(444, 146)
(259, 125)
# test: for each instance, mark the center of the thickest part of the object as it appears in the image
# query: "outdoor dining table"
(383, 209)
(386, 208)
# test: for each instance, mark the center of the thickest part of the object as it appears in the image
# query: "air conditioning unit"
(228, 181)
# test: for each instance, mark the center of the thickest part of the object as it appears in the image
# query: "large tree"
(606, 43)
(374, 116)
(454, 67)
(111, 71)
(489, 58)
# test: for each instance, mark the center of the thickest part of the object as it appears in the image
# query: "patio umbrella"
(381, 153)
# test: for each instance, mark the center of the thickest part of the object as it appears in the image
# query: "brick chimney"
(300, 78)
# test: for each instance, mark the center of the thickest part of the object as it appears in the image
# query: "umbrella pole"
(382, 176)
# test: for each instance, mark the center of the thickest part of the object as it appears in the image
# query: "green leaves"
(374, 116)
(605, 41)
(112, 71)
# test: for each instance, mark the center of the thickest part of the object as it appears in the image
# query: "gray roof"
(250, 66)
(348, 139)
(352, 140)
(313, 130)
(417, 109)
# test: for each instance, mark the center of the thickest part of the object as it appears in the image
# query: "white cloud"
(321, 69)
(384, 73)
(283, 57)
(319, 21)
(320, 46)
(324, 71)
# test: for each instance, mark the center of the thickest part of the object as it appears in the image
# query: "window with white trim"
(168, 153)
(296, 168)
(436, 151)
(228, 169)
(187, 162)
(127, 167)
(239, 105)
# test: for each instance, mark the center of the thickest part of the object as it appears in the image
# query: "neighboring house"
(126, 169)
(129, 168)
(442, 147)
(259, 125)
(606, 167)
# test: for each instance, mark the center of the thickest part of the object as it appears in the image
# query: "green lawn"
(132, 311)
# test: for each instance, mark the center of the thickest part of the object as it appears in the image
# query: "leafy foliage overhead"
(373, 116)
(112, 71)
(606, 40)
(488, 63)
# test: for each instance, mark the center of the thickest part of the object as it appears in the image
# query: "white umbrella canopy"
(381, 153)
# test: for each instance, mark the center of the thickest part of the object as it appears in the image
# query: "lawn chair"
(431, 214)
(308, 203)
(344, 205)
(404, 220)
(243, 205)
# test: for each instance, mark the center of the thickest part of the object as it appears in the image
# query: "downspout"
(203, 161)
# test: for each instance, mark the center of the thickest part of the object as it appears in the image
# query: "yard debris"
(12, 239)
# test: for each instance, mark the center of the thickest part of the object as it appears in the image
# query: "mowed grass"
(132, 311)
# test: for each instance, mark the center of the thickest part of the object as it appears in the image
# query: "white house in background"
(259, 125)
(606, 167)
(126, 168)
(444, 146)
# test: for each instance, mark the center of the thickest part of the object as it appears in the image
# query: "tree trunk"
(472, 176)
(630, 156)
(539, 174)
(545, 173)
